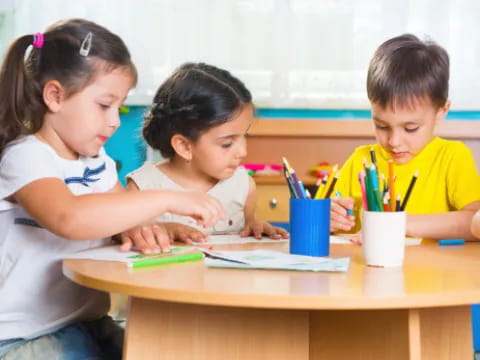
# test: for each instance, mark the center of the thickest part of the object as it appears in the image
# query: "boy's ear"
(443, 111)
(53, 94)
(182, 146)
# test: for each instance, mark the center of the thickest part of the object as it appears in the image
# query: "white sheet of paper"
(267, 259)
(113, 253)
(108, 253)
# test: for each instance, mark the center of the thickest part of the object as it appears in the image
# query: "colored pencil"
(386, 201)
(349, 211)
(409, 190)
(289, 182)
(376, 187)
(397, 204)
(332, 185)
(391, 184)
(361, 178)
(296, 185)
(321, 186)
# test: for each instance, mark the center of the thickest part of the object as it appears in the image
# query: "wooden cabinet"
(272, 202)
(273, 198)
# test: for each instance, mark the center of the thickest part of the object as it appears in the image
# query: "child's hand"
(157, 237)
(356, 238)
(148, 238)
(258, 227)
(184, 233)
(205, 209)
(339, 218)
(475, 224)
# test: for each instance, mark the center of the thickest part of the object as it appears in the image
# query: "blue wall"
(126, 146)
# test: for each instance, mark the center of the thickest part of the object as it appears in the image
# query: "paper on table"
(268, 259)
(113, 253)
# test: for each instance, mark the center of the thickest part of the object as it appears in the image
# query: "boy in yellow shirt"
(407, 85)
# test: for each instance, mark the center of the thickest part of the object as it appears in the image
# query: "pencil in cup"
(289, 181)
(320, 187)
(409, 191)
(361, 179)
(376, 187)
(391, 184)
(295, 183)
(330, 185)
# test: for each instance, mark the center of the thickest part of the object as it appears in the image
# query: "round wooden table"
(189, 311)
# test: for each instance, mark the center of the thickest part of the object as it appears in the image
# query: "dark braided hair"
(195, 98)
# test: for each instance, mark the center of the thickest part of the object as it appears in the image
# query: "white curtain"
(290, 53)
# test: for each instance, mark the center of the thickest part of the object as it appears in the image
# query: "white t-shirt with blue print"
(35, 297)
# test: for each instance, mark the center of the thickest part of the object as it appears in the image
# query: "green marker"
(165, 260)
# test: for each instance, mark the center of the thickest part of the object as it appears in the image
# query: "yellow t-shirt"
(448, 179)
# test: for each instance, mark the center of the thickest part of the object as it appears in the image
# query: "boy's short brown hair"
(405, 69)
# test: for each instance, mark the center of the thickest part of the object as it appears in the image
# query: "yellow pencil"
(329, 181)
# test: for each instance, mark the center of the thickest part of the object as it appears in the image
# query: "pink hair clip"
(37, 40)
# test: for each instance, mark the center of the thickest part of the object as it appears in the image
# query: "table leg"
(163, 330)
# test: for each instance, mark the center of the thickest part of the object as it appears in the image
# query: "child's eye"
(411, 130)
(227, 145)
(104, 106)
(381, 127)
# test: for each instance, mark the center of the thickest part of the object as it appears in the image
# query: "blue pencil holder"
(310, 227)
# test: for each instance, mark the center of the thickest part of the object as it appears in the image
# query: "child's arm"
(257, 227)
(52, 205)
(448, 225)
(156, 236)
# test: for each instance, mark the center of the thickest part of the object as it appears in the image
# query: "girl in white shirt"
(59, 191)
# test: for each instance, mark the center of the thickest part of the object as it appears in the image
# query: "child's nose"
(393, 139)
(114, 120)
(242, 149)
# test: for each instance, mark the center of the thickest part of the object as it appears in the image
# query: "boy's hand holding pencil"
(340, 210)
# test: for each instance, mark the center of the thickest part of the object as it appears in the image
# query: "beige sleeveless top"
(231, 192)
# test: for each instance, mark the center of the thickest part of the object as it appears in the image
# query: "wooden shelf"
(460, 129)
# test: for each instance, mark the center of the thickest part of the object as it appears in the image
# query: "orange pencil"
(391, 184)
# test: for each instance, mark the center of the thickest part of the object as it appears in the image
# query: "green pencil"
(166, 260)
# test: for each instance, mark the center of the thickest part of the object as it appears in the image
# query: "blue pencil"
(446, 242)
(339, 194)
